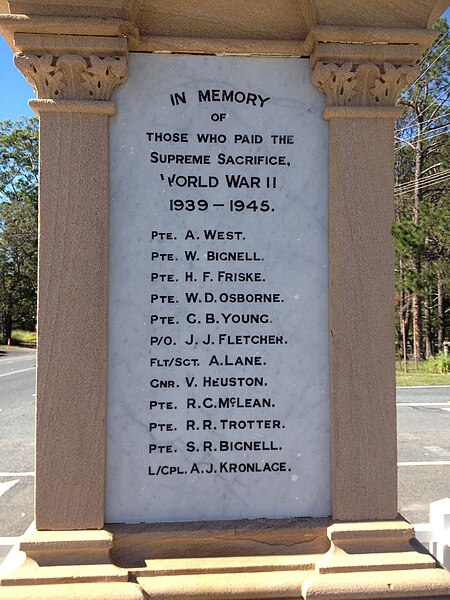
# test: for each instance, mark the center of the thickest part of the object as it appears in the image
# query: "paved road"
(423, 443)
(17, 388)
(423, 421)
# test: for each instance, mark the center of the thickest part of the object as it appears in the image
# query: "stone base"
(295, 558)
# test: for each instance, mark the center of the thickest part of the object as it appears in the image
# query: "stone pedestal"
(297, 558)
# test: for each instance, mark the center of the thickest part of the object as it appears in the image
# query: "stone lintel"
(84, 45)
(420, 38)
(358, 13)
(10, 25)
(221, 46)
(99, 8)
(139, 37)
(66, 25)
(361, 53)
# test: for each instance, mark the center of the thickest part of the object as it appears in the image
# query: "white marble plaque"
(218, 401)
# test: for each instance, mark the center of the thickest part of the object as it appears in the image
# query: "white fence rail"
(435, 535)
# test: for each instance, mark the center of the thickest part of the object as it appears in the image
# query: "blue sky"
(15, 91)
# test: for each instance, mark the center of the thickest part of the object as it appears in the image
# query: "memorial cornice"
(11, 25)
(151, 14)
(278, 28)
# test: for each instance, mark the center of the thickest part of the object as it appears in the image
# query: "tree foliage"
(18, 224)
(422, 226)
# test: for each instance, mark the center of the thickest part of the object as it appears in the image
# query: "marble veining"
(290, 241)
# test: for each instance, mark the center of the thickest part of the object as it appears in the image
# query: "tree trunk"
(441, 316)
(7, 326)
(417, 327)
(403, 324)
(418, 349)
(407, 316)
(429, 350)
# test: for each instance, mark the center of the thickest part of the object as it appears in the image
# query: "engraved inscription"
(225, 334)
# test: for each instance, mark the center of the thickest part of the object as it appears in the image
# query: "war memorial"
(215, 387)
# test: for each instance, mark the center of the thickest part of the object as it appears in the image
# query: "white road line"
(8, 361)
(421, 387)
(29, 474)
(7, 485)
(435, 463)
(19, 371)
(442, 404)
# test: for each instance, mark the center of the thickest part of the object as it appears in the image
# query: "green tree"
(422, 202)
(18, 224)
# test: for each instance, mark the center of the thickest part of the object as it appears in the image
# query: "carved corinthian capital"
(71, 76)
(365, 84)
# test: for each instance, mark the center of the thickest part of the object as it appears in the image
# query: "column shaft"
(362, 358)
(72, 320)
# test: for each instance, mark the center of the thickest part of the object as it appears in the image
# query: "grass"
(419, 377)
(26, 339)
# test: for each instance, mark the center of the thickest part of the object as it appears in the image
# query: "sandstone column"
(74, 92)
(361, 92)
